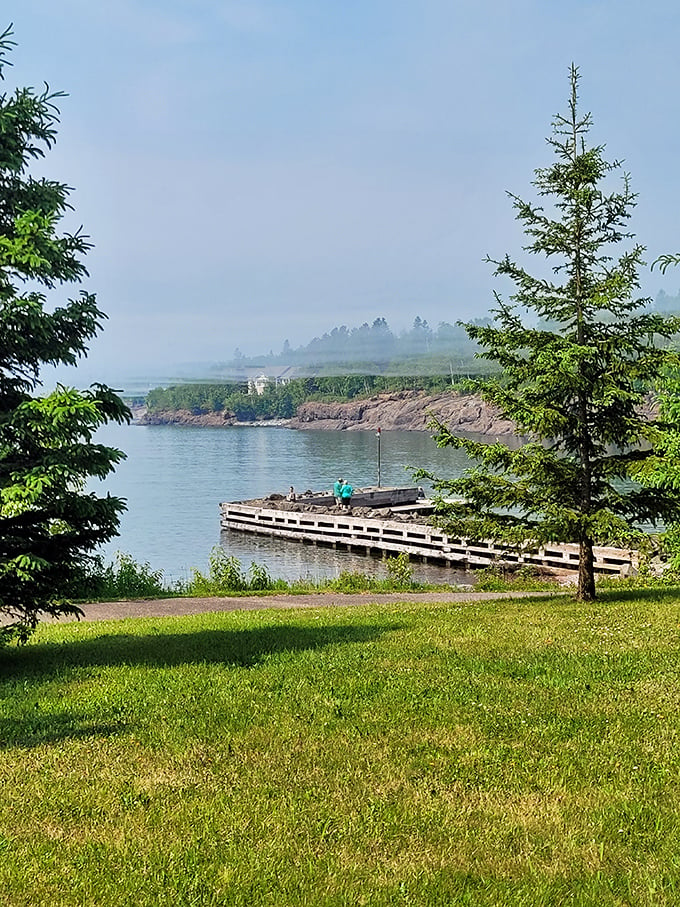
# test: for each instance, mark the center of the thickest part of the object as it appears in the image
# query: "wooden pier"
(378, 536)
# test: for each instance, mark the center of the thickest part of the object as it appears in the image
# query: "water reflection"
(291, 560)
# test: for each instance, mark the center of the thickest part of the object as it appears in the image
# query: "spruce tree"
(49, 522)
(578, 352)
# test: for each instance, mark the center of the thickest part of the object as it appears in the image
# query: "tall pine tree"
(49, 523)
(574, 376)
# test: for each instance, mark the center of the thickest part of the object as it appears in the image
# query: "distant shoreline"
(397, 411)
(141, 416)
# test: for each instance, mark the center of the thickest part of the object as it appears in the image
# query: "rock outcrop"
(404, 411)
(184, 417)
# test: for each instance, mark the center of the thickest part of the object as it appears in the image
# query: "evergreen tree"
(48, 521)
(665, 261)
(575, 384)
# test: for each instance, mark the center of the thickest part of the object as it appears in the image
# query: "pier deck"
(383, 536)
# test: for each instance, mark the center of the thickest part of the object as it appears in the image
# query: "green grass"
(522, 752)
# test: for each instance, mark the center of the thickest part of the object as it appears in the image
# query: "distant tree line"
(375, 349)
(448, 344)
(666, 303)
(283, 401)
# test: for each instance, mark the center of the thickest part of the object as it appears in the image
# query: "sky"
(252, 171)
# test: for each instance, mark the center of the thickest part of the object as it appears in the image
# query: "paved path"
(177, 607)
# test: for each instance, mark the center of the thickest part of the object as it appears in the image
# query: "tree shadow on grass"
(27, 732)
(659, 594)
(243, 648)
(25, 671)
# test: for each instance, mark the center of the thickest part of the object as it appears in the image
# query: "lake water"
(175, 477)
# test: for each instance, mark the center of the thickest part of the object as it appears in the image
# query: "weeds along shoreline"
(125, 578)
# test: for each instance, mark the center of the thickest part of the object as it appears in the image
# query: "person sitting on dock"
(346, 495)
(337, 491)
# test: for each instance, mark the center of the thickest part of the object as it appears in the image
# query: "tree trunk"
(585, 591)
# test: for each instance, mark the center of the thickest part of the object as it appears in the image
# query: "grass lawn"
(522, 752)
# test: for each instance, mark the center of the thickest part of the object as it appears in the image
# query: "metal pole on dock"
(377, 434)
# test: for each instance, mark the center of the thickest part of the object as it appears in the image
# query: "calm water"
(175, 477)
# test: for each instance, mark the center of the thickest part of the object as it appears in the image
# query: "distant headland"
(404, 410)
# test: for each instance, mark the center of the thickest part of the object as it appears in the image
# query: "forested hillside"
(375, 348)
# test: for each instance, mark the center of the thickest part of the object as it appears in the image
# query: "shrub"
(400, 571)
(133, 580)
(259, 578)
(124, 578)
(224, 575)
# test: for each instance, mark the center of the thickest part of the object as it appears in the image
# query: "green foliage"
(671, 547)
(665, 261)
(399, 579)
(282, 402)
(660, 470)
(349, 581)
(259, 578)
(399, 569)
(125, 578)
(48, 523)
(226, 576)
(575, 384)
(523, 579)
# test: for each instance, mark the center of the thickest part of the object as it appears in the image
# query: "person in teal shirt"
(346, 494)
(337, 490)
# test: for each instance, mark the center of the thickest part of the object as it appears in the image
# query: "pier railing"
(419, 540)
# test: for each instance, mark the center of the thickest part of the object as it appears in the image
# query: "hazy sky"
(252, 171)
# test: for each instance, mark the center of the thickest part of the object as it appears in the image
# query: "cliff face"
(404, 411)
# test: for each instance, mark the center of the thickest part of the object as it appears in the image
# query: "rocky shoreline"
(400, 411)
(141, 416)
(404, 411)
